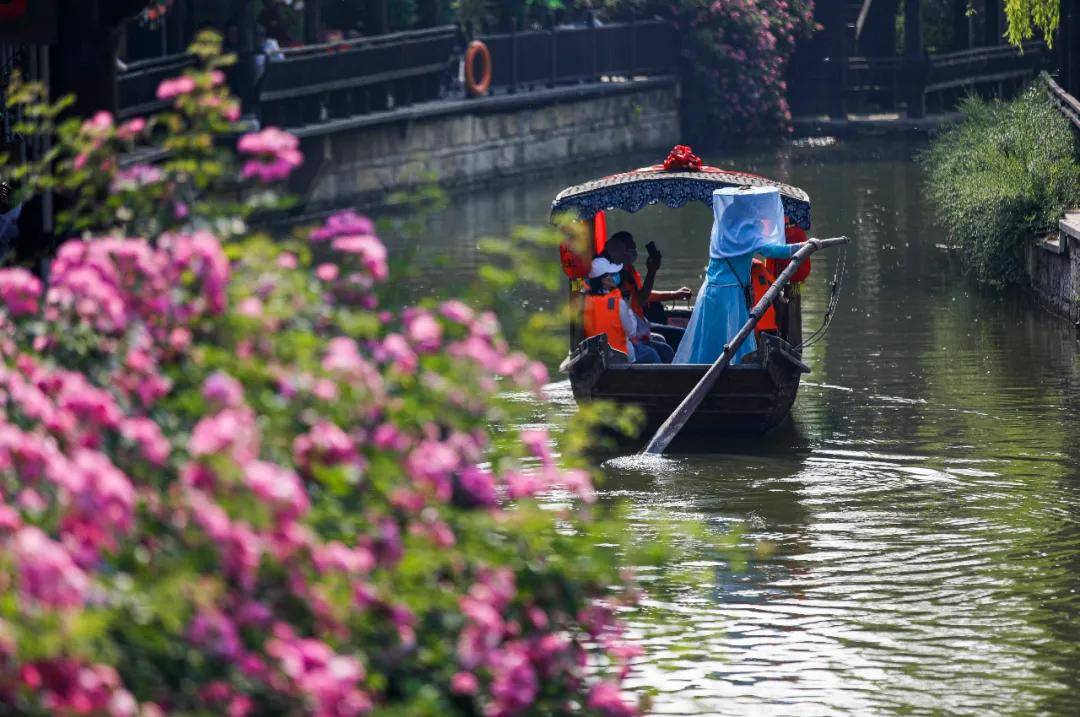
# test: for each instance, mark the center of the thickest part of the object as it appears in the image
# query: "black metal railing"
(333, 80)
(564, 55)
(316, 84)
(137, 84)
(886, 82)
(984, 66)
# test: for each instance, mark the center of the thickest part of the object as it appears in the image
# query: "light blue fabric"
(745, 222)
(720, 310)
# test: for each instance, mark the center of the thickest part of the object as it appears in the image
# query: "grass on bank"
(1001, 176)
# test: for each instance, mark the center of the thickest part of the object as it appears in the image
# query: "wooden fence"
(1066, 103)
(938, 80)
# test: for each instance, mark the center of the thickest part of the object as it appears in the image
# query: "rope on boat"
(834, 301)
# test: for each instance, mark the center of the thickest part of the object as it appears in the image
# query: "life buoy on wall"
(477, 50)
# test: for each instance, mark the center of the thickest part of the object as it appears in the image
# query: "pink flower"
(100, 123)
(514, 684)
(136, 177)
(342, 224)
(607, 698)
(327, 272)
(396, 350)
(457, 311)
(477, 487)
(524, 485)
(278, 486)
(424, 331)
(131, 129)
(370, 251)
(231, 432)
(325, 444)
(147, 436)
(277, 154)
(464, 683)
(20, 291)
(431, 464)
(175, 87)
(47, 574)
(214, 631)
(223, 391)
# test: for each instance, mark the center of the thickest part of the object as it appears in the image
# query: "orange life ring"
(477, 49)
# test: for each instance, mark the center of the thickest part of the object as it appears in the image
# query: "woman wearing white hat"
(607, 311)
(746, 221)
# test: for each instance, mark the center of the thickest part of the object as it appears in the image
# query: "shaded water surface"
(923, 505)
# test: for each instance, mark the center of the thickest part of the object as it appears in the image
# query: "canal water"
(917, 524)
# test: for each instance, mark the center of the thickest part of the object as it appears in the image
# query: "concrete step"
(1068, 226)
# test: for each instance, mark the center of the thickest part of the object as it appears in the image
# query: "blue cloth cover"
(745, 222)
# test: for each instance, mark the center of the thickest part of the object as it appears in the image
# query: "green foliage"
(1026, 16)
(1002, 176)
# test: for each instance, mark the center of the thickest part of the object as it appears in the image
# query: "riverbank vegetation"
(735, 57)
(1002, 176)
(235, 480)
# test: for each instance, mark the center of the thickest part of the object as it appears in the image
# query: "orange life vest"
(761, 279)
(602, 317)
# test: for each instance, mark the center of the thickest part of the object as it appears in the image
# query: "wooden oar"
(675, 422)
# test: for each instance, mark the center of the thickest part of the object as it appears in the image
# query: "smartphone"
(651, 248)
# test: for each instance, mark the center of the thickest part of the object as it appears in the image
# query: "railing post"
(992, 30)
(513, 56)
(838, 109)
(961, 39)
(554, 80)
(590, 18)
(1070, 27)
(915, 62)
(246, 61)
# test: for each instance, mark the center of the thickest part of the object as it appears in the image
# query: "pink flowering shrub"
(735, 60)
(233, 481)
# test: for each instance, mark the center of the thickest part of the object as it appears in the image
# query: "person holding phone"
(644, 299)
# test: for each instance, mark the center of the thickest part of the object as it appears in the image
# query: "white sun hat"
(601, 266)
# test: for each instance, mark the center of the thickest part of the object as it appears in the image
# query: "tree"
(1025, 16)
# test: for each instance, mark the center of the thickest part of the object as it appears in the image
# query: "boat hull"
(747, 399)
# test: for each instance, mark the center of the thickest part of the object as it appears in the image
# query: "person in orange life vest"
(607, 311)
(644, 300)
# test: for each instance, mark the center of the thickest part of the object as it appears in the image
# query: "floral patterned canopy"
(681, 179)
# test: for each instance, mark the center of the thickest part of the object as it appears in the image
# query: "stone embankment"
(467, 142)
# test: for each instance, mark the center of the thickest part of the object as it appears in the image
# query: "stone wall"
(1053, 266)
(475, 141)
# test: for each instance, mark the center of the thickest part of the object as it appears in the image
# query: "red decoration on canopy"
(682, 159)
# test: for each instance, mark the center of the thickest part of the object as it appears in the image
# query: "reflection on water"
(924, 503)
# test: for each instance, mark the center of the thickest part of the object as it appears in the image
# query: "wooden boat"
(750, 398)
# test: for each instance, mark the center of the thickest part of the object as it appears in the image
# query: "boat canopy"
(681, 179)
